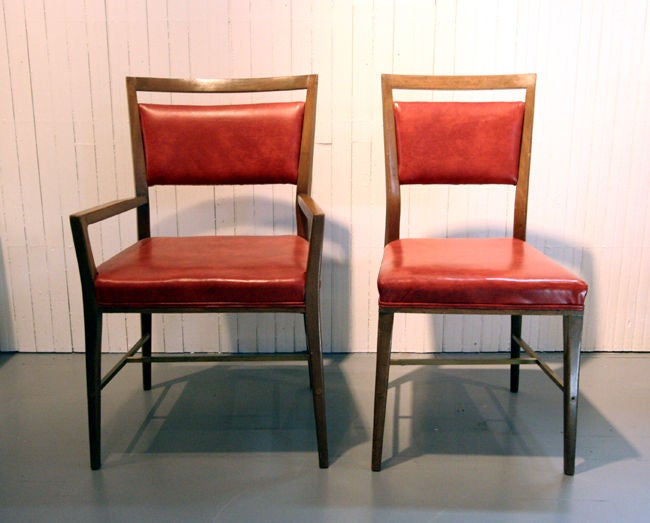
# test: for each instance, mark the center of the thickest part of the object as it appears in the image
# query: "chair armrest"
(107, 210)
(79, 223)
(315, 219)
(313, 214)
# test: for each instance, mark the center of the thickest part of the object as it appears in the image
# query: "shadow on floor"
(237, 408)
(467, 411)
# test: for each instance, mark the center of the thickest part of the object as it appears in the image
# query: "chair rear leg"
(515, 351)
(572, 327)
(384, 339)
(93, 335)
(145, 330)
(316, 380)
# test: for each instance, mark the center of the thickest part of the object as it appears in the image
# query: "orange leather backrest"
(223, 144)
(458, 142)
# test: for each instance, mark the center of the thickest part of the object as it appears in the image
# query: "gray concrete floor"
(236, 443)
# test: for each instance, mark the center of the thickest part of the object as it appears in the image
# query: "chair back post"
(393, 197)
(521, 194)
(137, 155)
(308, 131)
(306, 162)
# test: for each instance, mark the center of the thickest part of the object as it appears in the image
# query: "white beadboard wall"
(64, 147)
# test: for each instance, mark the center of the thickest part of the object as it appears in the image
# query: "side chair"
(470, 143)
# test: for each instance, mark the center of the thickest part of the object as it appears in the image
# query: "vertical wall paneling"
(66, 147)
(13, 239)
(323, 175)
(639, 281)
(361, 161)
(20, 193)
(340, 211)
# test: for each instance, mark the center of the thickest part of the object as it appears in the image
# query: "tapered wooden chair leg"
(93, 335)
(145, 330)
(572, 326)
(317, 381)
(515, 351)
(310, 366)
(384, 336)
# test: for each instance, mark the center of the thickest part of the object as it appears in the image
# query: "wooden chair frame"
(572, 320)
(310, 225)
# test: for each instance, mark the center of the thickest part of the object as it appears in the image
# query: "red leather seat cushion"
(475, 273)
(213, 271)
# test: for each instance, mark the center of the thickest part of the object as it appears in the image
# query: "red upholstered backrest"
(458, 142)
(223, 144)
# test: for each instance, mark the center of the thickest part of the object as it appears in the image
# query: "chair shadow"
(5, 356)
(470, 411)
(244, 408)
(7, 336)
(580, 260)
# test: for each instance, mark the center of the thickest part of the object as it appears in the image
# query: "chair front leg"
(515, 351)
(316, 379)
(384, 339)
(145, 330)
(572, 327)
(93, 335)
